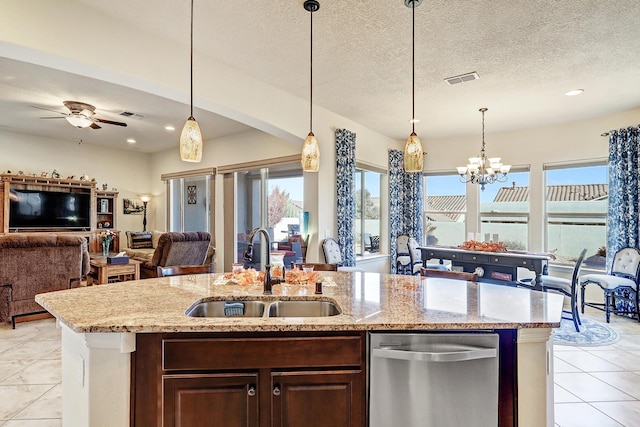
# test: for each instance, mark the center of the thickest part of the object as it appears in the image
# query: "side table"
(100, 271)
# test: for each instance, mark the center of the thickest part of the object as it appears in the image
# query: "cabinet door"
(317, 399)
(195, 400)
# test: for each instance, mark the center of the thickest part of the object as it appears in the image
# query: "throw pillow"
(155, 237)
(139, 240)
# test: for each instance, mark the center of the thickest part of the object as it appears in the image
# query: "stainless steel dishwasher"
(431, 379)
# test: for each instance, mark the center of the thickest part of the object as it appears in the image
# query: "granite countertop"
(369, 301)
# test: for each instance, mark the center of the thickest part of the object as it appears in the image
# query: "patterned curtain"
(624, 185)
(396, 172)
(345, 193)
(405, 203)
(623, 229)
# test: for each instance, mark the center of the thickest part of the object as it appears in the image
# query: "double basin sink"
(288, 308)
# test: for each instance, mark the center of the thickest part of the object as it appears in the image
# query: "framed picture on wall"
(132, 206)
(192, 194)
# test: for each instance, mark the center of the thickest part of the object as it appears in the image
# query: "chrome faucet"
(248, 256)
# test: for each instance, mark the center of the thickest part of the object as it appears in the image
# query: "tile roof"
(448, 205)
(556, 193)
(452, 208)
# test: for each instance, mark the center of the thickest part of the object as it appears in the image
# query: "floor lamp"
(145, 200)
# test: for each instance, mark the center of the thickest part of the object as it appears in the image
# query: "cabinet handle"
(252, 390)
(276, 390)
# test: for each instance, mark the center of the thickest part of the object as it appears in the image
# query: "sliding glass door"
(271, 198)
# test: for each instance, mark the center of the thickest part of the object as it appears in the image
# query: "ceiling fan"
(81, 115)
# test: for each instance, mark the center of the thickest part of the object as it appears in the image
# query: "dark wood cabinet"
(267, 380)
(322, 398)
(194, 400)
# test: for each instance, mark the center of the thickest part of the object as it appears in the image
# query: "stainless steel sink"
(227, 309)
(303, 309)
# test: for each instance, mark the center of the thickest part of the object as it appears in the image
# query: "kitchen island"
(114, 335)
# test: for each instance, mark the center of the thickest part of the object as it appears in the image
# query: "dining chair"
(568, 288)
(459, 275)
(319, 266)
(296, 247)
(181, 270)
(409, 256)
(331, 251)
(623, 278)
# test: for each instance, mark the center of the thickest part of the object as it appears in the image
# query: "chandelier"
(483, 170)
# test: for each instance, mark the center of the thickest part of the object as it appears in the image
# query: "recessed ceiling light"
(131, 141)
(574, 92)
(170, 128)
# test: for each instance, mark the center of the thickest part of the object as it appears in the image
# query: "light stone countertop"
(369, 301)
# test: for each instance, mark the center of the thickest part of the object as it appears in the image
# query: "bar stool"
(624, 276)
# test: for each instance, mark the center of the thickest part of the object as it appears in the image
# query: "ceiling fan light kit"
(310, 149)
(413, 154)
(79, 121)
(81, 115)
(191, 137)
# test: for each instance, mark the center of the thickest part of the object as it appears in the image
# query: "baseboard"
(30, 317)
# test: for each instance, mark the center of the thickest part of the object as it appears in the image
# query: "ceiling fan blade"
(47, 109)
(51, 117)
(95, 126)
(110, 122)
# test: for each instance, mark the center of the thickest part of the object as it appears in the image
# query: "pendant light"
(191, 137)
(310, 150)
(413, 154)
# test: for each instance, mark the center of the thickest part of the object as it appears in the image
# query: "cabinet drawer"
(243, 353)
(475, 258)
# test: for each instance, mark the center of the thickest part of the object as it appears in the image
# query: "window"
(285, 203)
(189, 196)
(445, 210)
(367, 221)
(504, 211)
(576, 212)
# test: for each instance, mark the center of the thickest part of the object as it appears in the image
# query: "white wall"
(127, 171)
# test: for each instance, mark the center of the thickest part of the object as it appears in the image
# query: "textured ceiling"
(527, 53)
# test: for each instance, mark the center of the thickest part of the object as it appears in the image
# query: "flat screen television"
(33, 209)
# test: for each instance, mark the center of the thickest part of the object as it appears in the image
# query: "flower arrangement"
(106, 235)
(472, 245)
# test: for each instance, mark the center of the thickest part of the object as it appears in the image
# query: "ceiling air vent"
(462, 78)
(131, 115)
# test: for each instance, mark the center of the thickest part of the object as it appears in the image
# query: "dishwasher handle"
(465, 353)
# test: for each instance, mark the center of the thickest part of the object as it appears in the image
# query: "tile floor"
(594, 386)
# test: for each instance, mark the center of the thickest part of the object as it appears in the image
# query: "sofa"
(31, 264)
(172, 248)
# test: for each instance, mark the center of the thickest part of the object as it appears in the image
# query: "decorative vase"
(105, 247)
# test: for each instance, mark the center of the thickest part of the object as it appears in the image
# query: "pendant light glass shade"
(310, 154)
(191, 141)
(310, 158)
(413, 154)
(191, 137)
